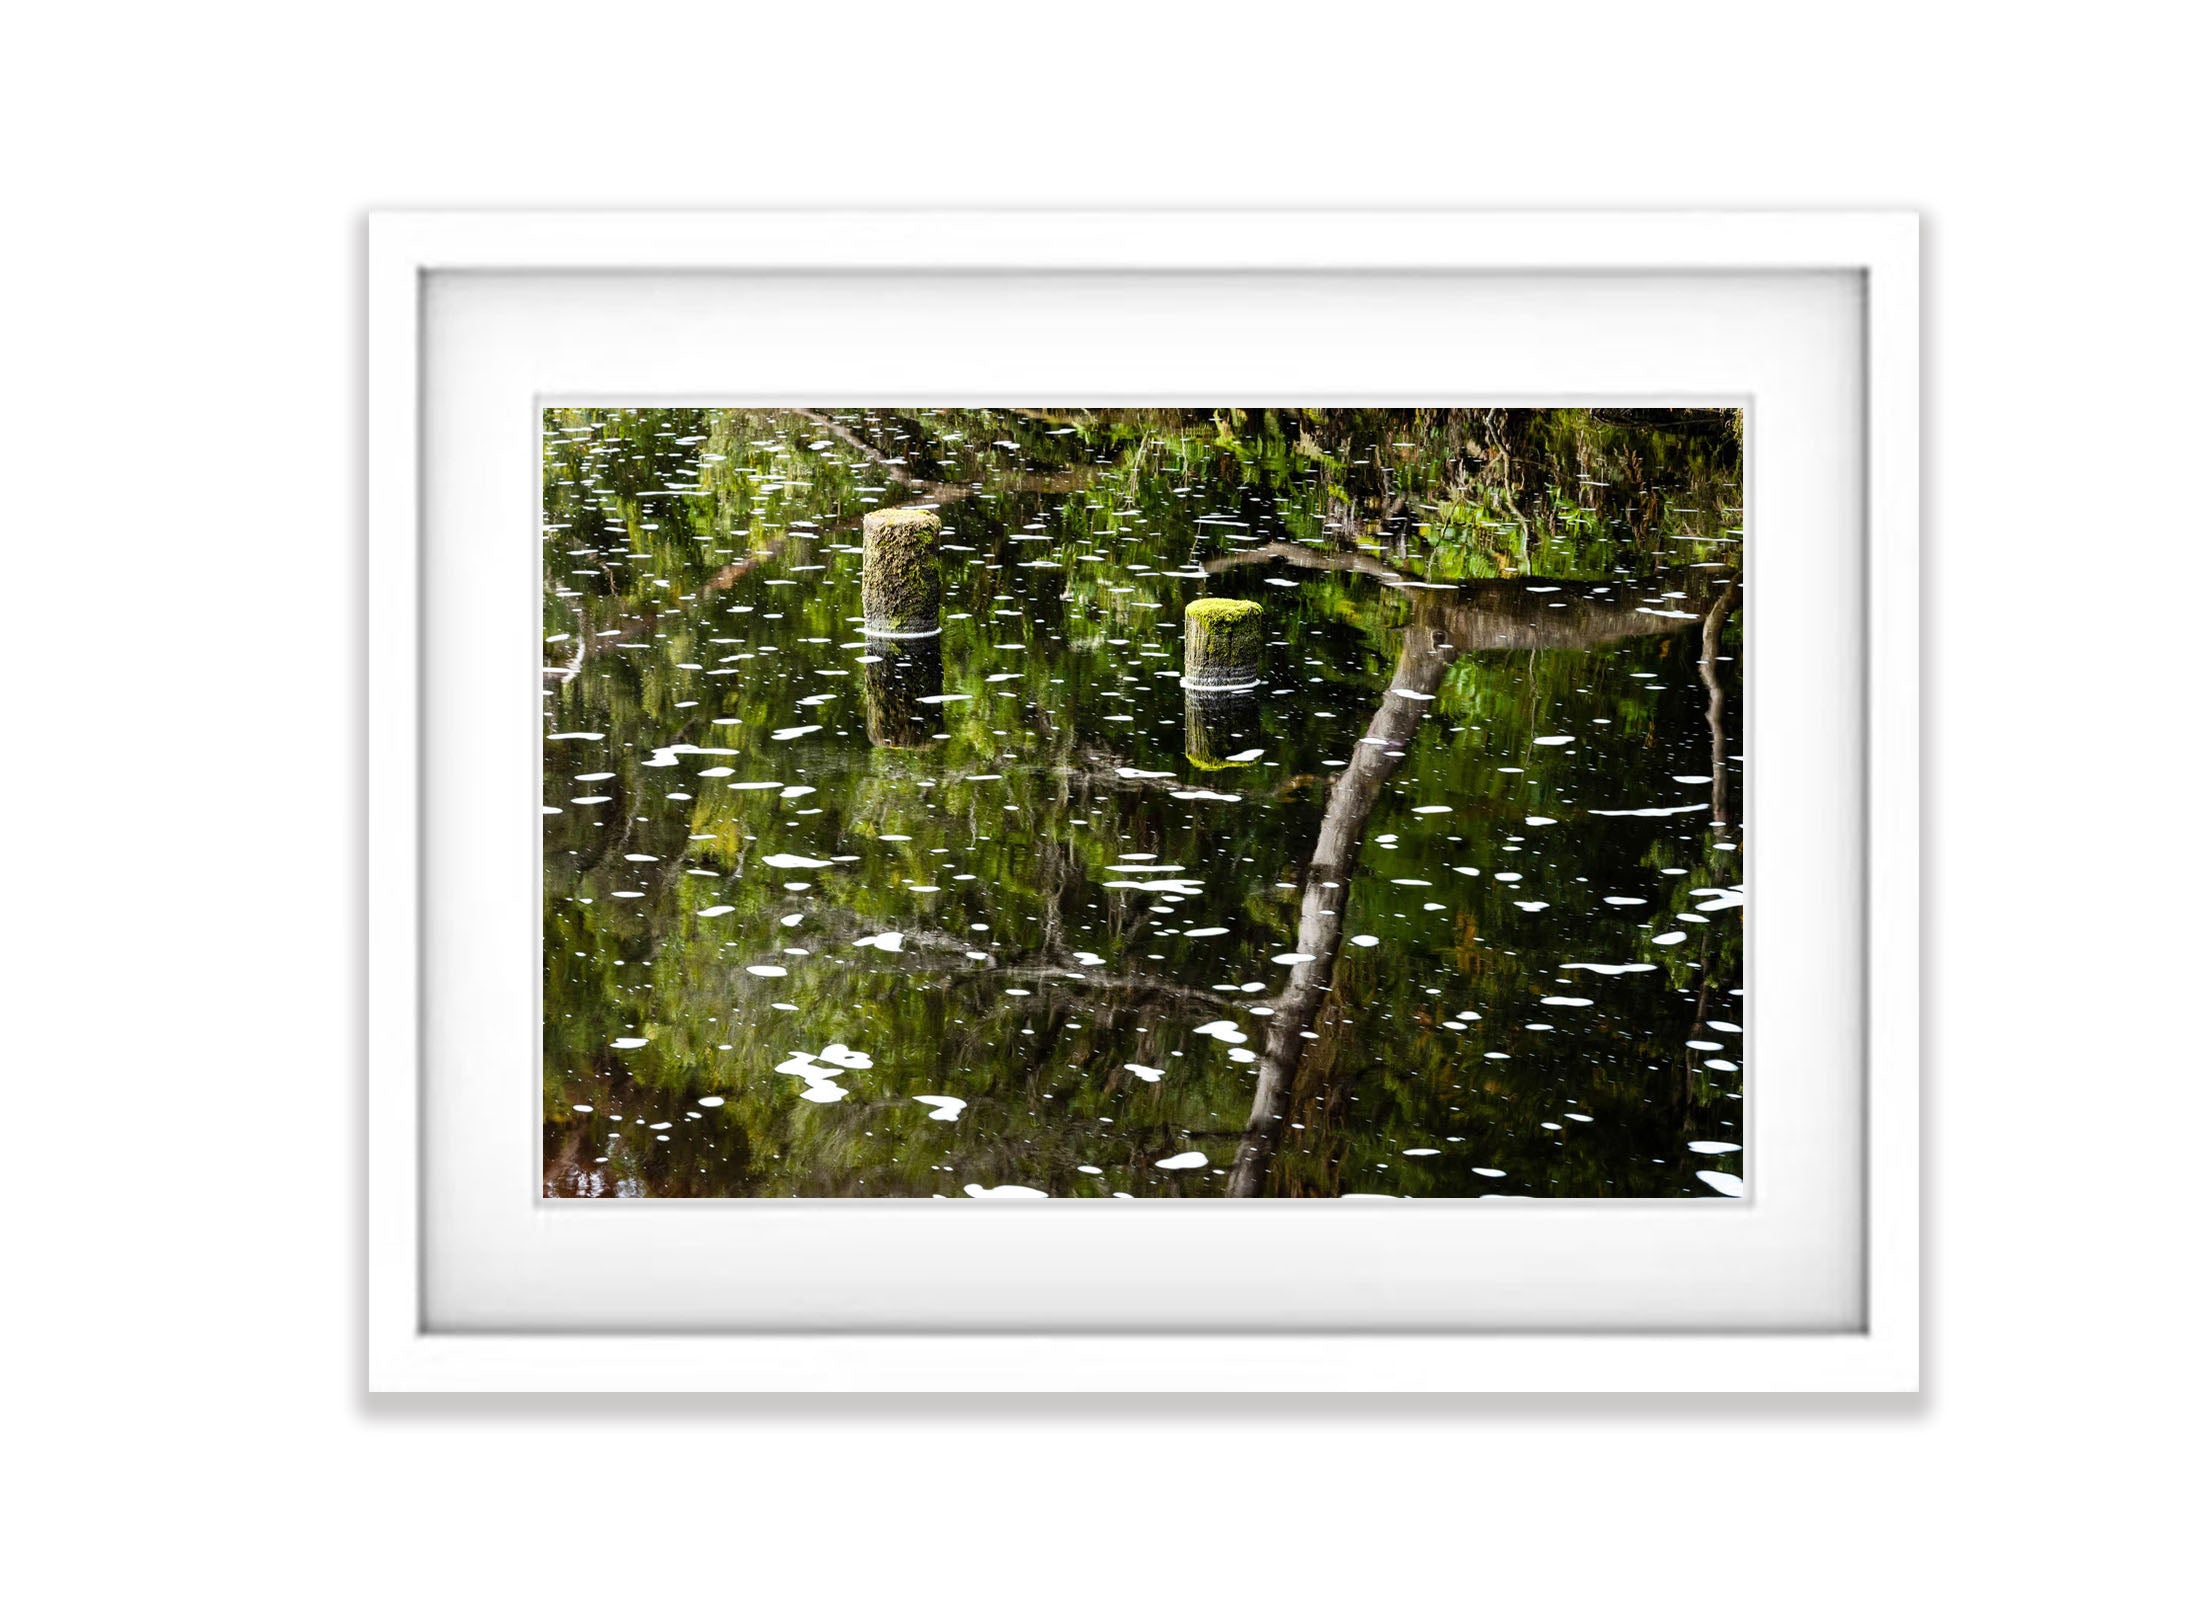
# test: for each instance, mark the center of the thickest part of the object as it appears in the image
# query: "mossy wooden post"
(1222, 645)
(901, 573)
(901, 682)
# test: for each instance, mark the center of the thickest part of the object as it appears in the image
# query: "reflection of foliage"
(689, 554)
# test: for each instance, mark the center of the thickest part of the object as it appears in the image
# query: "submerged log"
(1425, 655)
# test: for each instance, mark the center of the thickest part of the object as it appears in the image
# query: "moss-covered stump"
(1222, 644)
(900, 676)
(1218, 726)
(901, 573)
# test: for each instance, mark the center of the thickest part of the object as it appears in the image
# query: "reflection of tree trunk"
(1708, 667)
(1421, 662)
(1498, 613)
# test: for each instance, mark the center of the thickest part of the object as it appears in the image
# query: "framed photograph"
(1143, 801)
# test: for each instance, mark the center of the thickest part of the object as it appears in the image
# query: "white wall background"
(180, 1399)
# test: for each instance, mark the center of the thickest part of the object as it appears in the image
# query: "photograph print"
(1210, 803)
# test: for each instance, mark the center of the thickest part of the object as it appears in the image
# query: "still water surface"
(1449, 905)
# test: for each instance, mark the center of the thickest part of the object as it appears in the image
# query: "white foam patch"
(1610, 969)
(1652, 811)
(1725, 1182)
(1189, 1161)
(1140, 772)
(783, 734)
(1291, 958)
(1139, 1069)
(762, 971)
(1006, 1191)
(1567, 1000)
(1366, 941)
(1556, 738)
(1712, 1147)
(785, 860)
(949, 1108)
(1202, 794)
(888, 942)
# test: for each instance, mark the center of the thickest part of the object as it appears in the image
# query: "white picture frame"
(407, 1350)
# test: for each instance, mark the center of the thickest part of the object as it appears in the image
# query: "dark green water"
(1449, 906)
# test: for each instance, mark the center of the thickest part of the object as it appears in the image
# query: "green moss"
(901, 569)
(1222, 613)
